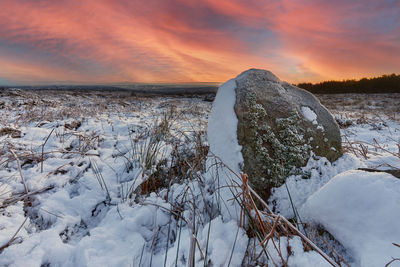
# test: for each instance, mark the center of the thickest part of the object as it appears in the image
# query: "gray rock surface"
(280, 126)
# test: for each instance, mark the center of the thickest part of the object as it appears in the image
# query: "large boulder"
(280, 126)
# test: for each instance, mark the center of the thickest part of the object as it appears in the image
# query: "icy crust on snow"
(361, 209)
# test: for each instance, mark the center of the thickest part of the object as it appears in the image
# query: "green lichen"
(270, 154)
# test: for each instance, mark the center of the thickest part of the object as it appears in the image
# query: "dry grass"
(269, 227)
(187, 165)
(13, 133)
(393, 259)
(363, 107)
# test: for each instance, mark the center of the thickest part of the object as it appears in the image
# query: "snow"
(356, 209)
(382, 141)
(309, 114)
(222, 127)
(383, 162)
(222, 136)
(361, 210)
(78, 222)
(87, 220)
(320, 172)
(222, 241)
(224, 146)
(300, 258)
(14, 218)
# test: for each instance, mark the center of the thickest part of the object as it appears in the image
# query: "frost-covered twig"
(23, 196)
(20, 171)
(41, 163)
(393, 260)
(28, 155)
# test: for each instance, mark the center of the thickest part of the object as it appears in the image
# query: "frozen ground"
(116, 180)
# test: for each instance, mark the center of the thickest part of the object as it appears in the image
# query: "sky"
(173, 41)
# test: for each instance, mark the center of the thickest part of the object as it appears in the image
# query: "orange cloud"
(188, 40)
(339, 40)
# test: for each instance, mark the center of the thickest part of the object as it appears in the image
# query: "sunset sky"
(112, 41)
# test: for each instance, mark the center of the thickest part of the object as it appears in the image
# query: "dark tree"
(382, 84)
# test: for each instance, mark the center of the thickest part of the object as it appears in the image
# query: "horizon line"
(49, 84)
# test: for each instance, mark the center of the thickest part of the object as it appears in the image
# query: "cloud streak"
(106, 41)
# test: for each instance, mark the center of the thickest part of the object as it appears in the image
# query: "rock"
(279, 127)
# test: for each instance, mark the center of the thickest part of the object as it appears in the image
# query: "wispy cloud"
(188, 40)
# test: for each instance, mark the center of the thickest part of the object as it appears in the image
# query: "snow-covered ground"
(116, 180)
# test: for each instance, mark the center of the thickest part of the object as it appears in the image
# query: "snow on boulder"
(362, 211)
(222, 137)
(222, 127)
(309, 114)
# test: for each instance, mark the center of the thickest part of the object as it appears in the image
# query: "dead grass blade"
(41, 164)
(296, 231)
(12, 239)
(20, 171)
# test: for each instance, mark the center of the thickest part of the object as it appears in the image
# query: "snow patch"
(301, 258)
(361, 210)
(319, 172)
(309, 115)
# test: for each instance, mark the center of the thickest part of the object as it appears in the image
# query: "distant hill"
(189, 89)
(382, 84)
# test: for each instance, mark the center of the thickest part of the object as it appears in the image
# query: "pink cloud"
(173, 41)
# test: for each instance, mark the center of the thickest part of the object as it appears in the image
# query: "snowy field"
(110, 179)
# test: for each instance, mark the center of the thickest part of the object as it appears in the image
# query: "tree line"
(382, 84)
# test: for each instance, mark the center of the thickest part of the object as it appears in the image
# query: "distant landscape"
(185, 89)
(382, 84)
(387, 83)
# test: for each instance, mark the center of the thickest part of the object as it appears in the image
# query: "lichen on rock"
(276, 138)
